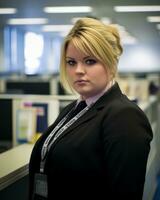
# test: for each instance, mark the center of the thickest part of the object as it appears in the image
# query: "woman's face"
(86, 74)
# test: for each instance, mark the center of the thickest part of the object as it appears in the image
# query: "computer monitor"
(6, 125)
(28, 87)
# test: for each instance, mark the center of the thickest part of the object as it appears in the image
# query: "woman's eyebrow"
(86, 57)
(68, 57)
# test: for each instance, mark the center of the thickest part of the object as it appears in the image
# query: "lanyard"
(56, 133)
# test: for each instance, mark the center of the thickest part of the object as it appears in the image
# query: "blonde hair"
(94, 38)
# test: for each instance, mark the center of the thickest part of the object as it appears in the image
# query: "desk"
(14, 164)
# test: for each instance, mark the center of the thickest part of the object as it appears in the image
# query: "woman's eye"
(90, 61)
(71, 62)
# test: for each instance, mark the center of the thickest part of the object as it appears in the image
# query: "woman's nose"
(80, 68)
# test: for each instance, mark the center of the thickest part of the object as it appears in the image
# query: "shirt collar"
(93, 99)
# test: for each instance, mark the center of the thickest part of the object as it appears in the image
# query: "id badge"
(40, 185)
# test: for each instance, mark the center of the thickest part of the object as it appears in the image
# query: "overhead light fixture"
(7, 11)
(153, 18)
(154, 8)
(68, 9)
(56, 28)
(27, 21)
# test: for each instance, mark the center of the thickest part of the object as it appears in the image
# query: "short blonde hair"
(93, 38)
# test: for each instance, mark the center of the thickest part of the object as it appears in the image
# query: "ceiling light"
(8, 10)
(68, 9)
(27, 21)
(137, 8)
(153, 18)
(56, 28)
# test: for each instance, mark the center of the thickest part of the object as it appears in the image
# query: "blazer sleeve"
(126, 139)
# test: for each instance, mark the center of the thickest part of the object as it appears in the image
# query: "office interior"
(31, 96)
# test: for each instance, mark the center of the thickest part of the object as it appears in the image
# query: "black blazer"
(104, 153)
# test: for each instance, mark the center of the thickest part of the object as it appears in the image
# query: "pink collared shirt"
(93, 99)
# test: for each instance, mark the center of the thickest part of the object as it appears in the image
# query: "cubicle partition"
(26, 117)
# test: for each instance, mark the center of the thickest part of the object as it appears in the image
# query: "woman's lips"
(79, 82)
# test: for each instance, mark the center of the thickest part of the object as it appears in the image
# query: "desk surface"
(14, 164)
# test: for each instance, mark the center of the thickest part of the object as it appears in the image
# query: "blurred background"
(31, 33)
(31, 96)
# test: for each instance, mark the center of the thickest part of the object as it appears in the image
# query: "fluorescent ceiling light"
(153, 18)
(137, 8)
(68, 9)
(27, 21)
(8, 10)
(56, 28)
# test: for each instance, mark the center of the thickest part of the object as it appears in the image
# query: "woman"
(102, 151)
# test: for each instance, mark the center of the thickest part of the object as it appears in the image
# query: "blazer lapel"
(112, 93)
(87, 116)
